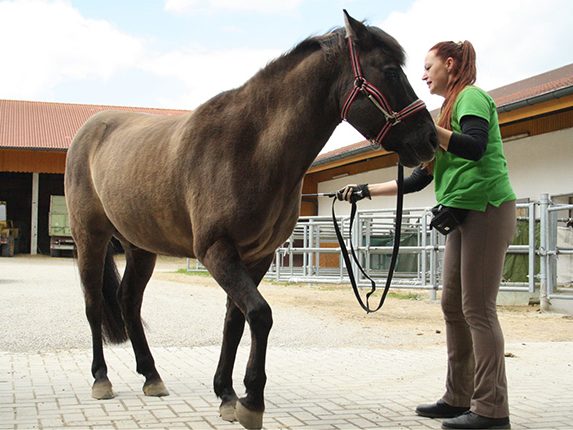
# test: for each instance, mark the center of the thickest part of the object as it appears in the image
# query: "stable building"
(34, 139)
(535, 115)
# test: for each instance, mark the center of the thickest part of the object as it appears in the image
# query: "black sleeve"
(419, 179)
(472, 141)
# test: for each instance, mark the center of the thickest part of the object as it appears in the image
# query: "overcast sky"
(179, 53)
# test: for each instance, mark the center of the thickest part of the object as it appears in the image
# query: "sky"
(177, 54)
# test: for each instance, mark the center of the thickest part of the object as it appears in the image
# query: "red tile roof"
(535, 86)
(51, 126)
(530, 88)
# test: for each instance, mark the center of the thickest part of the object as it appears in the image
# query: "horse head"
(380, 102)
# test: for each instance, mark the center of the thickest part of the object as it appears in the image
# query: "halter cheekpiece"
(361, 85)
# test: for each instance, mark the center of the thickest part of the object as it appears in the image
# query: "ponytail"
(463, 74)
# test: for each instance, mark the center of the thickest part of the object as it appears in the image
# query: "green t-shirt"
(468, 184)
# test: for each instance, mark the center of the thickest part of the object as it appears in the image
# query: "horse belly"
(153, 227)
(269, 238)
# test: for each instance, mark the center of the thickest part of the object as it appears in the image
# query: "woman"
(470, 173)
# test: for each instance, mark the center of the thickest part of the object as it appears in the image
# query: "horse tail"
(114, 330)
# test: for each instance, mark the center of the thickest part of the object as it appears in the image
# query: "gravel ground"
(41, 309)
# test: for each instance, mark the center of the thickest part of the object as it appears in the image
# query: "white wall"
(541, 164)
(538, 164)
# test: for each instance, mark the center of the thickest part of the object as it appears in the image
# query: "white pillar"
(34, 219)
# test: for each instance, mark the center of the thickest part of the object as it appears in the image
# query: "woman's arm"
(418, 180)
(471, 143)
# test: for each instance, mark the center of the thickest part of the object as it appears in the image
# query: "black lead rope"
(396, 247)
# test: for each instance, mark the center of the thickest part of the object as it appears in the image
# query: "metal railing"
(549, 251)
(312, 253)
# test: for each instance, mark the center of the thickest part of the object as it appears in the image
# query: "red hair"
(463, 74)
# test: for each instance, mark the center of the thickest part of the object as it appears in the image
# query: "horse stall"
(26, 214)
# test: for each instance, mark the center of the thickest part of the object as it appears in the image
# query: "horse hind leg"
(223, 262)
(138, 271)
(100, 282)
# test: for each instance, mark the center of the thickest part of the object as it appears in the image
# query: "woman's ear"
(449, 64)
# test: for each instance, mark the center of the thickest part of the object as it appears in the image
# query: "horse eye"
(392, 73)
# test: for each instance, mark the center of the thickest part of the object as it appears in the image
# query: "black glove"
(353, 193)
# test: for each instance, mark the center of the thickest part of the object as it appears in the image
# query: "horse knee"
(260, 318)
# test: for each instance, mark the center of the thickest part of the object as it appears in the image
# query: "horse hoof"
(102, 390)
(155, 389)
(248, 419)
(227, 411)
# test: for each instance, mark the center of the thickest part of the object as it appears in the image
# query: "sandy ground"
(408, 318)
(42, 309)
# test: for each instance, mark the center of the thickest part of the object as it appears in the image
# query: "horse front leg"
(223, 380)
(223, 262)
(232, 333)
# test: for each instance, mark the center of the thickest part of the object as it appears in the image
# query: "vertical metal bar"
(543, 297)
(277, 265)
(355, 239)
(305, 254)
(423, 254)
(532, 246)
(291, 256)
(367, 239)
(551, 252)
(341, 258)
(433, 263)
(314, 255)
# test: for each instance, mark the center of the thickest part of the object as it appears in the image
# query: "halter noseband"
(361, 85)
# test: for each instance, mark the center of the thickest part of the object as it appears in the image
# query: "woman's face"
(437, 73)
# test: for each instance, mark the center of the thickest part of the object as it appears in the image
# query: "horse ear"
(353, 27)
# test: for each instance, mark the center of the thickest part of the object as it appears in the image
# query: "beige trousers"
(473, 265)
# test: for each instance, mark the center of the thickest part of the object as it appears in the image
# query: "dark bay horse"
(223, 184)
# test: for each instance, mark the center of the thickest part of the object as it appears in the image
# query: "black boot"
(440, 409)
(471, 420)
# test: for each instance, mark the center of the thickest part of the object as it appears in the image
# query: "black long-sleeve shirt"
(470, 144)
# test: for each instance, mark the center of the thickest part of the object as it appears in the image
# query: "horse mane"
(329, 42)
(332, 43)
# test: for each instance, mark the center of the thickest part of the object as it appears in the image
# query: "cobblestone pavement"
(308, 387)
(341, 388)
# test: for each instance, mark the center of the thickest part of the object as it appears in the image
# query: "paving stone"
(324, 388)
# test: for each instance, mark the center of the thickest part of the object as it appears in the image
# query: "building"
(34, 138)
(536, 119)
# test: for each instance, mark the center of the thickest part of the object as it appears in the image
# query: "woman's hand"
(352, 193)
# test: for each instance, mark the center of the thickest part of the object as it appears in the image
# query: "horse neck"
(304, 112)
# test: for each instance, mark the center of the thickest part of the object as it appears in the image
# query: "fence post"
(531, 252)
(434, 262)
(424, 253)
(543, 269)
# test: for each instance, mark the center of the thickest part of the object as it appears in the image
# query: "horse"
(223, 184)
